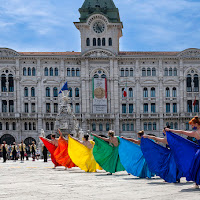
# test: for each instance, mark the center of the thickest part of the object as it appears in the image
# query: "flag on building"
(65, 87)
(125, 91)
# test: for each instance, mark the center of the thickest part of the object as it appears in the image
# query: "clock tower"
(100, 26)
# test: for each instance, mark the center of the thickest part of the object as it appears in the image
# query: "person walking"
(44, 151)
(33, 150)
(14, 151)
(22, 149)
(4, 150)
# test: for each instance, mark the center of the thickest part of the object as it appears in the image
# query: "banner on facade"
(99, 95)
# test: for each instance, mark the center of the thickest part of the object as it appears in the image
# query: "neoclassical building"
(161, 87)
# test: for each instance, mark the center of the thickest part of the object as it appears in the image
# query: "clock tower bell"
(100, 26)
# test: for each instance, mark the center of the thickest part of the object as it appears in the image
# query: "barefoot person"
(81, 153)
(160, 159)
(106, 152)
(187, 153)
(132, 158)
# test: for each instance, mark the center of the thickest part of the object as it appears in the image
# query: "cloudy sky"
(149, 25)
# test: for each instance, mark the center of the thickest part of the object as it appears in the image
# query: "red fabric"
(194, 102)
(51, 148)
(61, 154)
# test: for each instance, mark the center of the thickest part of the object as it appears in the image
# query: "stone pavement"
(38, 181)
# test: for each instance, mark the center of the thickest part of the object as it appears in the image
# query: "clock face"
(99, 27)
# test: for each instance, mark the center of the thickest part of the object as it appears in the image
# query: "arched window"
(148, 71)
(123, 127)
(76, 92)
(107, 126)
(7, 126)
(94, 42)
(103, 42)
(52, 126)
(33, 92)
(166, 71)
(175, 72)
(77, 72)
(189, 106)
(145, 92)
(131, 72)
(56, 71)
(55, 92)
(24, 71)
(11, 83)
(25, 126)
(196, 106)
(73, 72)
(122, 72)
(0, 126)
(47, 92)
(103, 76)
(149, 126)
(70, 92)
(146, 108)
(93, 127)
(130, 91)
(154, 72)
(171, 125)
(88, 42)
(46, 71)
(167, 92)
(51, 71)
(196, 83)
(33, 71)
(127, 127)
(174, 92)
(127, 72)
(110, 41)
(26, 92)
(99, 42)
(145, 126)
(167, 124)
(30, 126)
(170, 71)
(189, 83)
(29, 71)
(47, 126)
(34, 126)
(153, 92)
(143, 72)
(176, 126)
(3, 83)
(96, 76)
(154, 126)
(100, 127)
(68, 71)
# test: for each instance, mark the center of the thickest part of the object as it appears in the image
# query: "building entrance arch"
(8, 138)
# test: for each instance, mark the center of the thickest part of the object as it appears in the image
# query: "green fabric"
(107, 156)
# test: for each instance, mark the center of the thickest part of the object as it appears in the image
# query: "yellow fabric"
(82, 156)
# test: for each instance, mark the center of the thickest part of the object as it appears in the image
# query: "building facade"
(161, 87)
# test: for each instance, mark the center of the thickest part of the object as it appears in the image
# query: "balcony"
(127, 116)
(100, 116)
(7, 115)
(173, 115)
(149, 115)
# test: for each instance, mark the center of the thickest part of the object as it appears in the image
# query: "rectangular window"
(124, 108)
(130, 108)
(48, 108)
(174, 108)
(4, 106)
(26, 107)
(167, 107)
(11, 106)
(55, 108)
(33, 107)
(153, 107)
(189, 106)
(77, 108)
(100, 127)
(145, 108)
(107, 127)
(132, 127)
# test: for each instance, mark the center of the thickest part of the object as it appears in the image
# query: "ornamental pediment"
(98, 54)
(6, 52)
(190, 53)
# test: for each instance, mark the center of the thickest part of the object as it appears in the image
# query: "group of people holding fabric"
(144, 157)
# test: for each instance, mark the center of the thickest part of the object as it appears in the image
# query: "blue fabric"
(187, 156)
(133, 160)
(65, 87)
(160, 160)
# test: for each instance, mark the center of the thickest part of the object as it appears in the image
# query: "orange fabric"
(51, 148)
(61, 154)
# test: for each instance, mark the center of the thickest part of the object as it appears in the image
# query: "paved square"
(37, 180)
